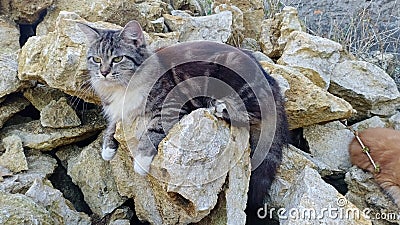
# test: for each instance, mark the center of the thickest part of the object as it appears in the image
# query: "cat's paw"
(108, 153)
(219, 107)
(142, 164)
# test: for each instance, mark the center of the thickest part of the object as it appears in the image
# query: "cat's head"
(114, 55)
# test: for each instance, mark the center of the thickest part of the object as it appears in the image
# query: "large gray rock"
(310, 195)
(117, 12)
(40, 167)
(216, 27)
(9, 44)
(20, 209)
(183, 186)
(94, 177)
(306, 103)
(367, 87)
(11, 106)
(34, 136)
(365, 193)
(25, 11)
(14, 157)
(51, 199)
(58, 114)
(313, 56)
(329, 144)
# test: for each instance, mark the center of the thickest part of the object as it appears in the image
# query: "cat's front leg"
(110, 145)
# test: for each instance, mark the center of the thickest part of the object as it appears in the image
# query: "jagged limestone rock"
(11, 106)
(25, 11)
(94, 177)
(307, 103)
(367, 87)
(9, 45)
(42, 95)
(34, 136)
(40, 167)
(184, 185)
(14, 157)
(315, 57)
(20, 209)
(58, 114)
(51, 199)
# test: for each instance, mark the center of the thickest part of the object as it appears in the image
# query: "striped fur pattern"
(110, 75)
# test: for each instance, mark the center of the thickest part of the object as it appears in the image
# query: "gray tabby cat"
(113, 58)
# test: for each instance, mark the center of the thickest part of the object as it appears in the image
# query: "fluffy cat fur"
(384, 145)
(114, 56)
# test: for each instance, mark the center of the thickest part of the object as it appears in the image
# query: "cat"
(114, 56)
(384, 147)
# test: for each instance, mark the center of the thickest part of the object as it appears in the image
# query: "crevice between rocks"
(29, 30)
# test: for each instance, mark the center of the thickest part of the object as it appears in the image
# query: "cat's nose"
(104, 72)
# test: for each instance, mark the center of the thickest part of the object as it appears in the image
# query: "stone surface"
(276, 31)
(117, 12)
(42, 95)
(238, 30)
(11, 106)
(67, 44)
(395, 121)
(216, 27)
(307, 103)
(367, 87)
(20, 209)
(34, 136)
(313, 56)
(58, 114)
(9, 44)
(187, 183)
(329, 144)
(364, 192)
(310, 193)
(94, 177)
(159, 40)
(51, 199)
(14, 158)
(25, 11)
(40, 167)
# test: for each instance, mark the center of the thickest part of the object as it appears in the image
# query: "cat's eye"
(96, 59)
(117, 59)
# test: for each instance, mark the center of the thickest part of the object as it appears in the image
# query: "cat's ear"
(133, 33)
(91, 33)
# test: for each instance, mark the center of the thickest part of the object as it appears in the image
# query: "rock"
(9, 44)
(184, 185)
(310, 195)
(375, 121)
(329, 144)
(24, 12)
(65, 153)
(313, 56)
(14, 158)
(395, 121)
(365, 193)
(20, 209)
(52, 200)
(40, 166)
(94, 177)
(237, 34)
(251, 44)
(159, 40)
(42, 95)
(293, 163)
(307, 103)
(4, 172)
(367, 87)
(67, 44)
(196, 7)
(121, 216)
(58, 114)
(216, 27)
(11, 106)
(110, 11)
(34, 136)
(276, 31)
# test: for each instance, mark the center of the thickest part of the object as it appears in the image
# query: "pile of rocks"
(50, 120)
